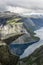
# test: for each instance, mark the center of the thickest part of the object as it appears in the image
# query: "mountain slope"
(36, 58)
(38, 21)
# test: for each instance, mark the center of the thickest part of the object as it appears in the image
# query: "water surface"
(33, 47)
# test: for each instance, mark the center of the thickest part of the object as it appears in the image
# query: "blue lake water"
(33, 47)
(18, 49)
(24, 50)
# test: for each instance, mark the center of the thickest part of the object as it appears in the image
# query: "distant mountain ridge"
(31, 22)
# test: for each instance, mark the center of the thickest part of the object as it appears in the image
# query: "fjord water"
(33, 47)
(27, 49)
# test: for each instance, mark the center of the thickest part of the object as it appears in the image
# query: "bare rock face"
(36, 58)
(6, 58)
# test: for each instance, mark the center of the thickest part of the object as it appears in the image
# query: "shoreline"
(20, 48)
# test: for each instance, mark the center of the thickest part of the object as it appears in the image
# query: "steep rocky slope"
(36, 58)
(11, 28)
(6, 58)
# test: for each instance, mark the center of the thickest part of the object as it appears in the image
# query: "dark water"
(33, 47)
(18, 49)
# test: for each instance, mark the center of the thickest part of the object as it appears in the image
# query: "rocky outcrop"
(11, 29)
(36, 58)
(6, 58)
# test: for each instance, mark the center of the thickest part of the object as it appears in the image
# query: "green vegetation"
(30, 31)
(13, 21)
(6, 58)
(35, 38)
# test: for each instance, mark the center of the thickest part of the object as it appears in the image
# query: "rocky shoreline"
(36, 58)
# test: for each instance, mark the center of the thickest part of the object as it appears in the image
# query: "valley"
(20, 35)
